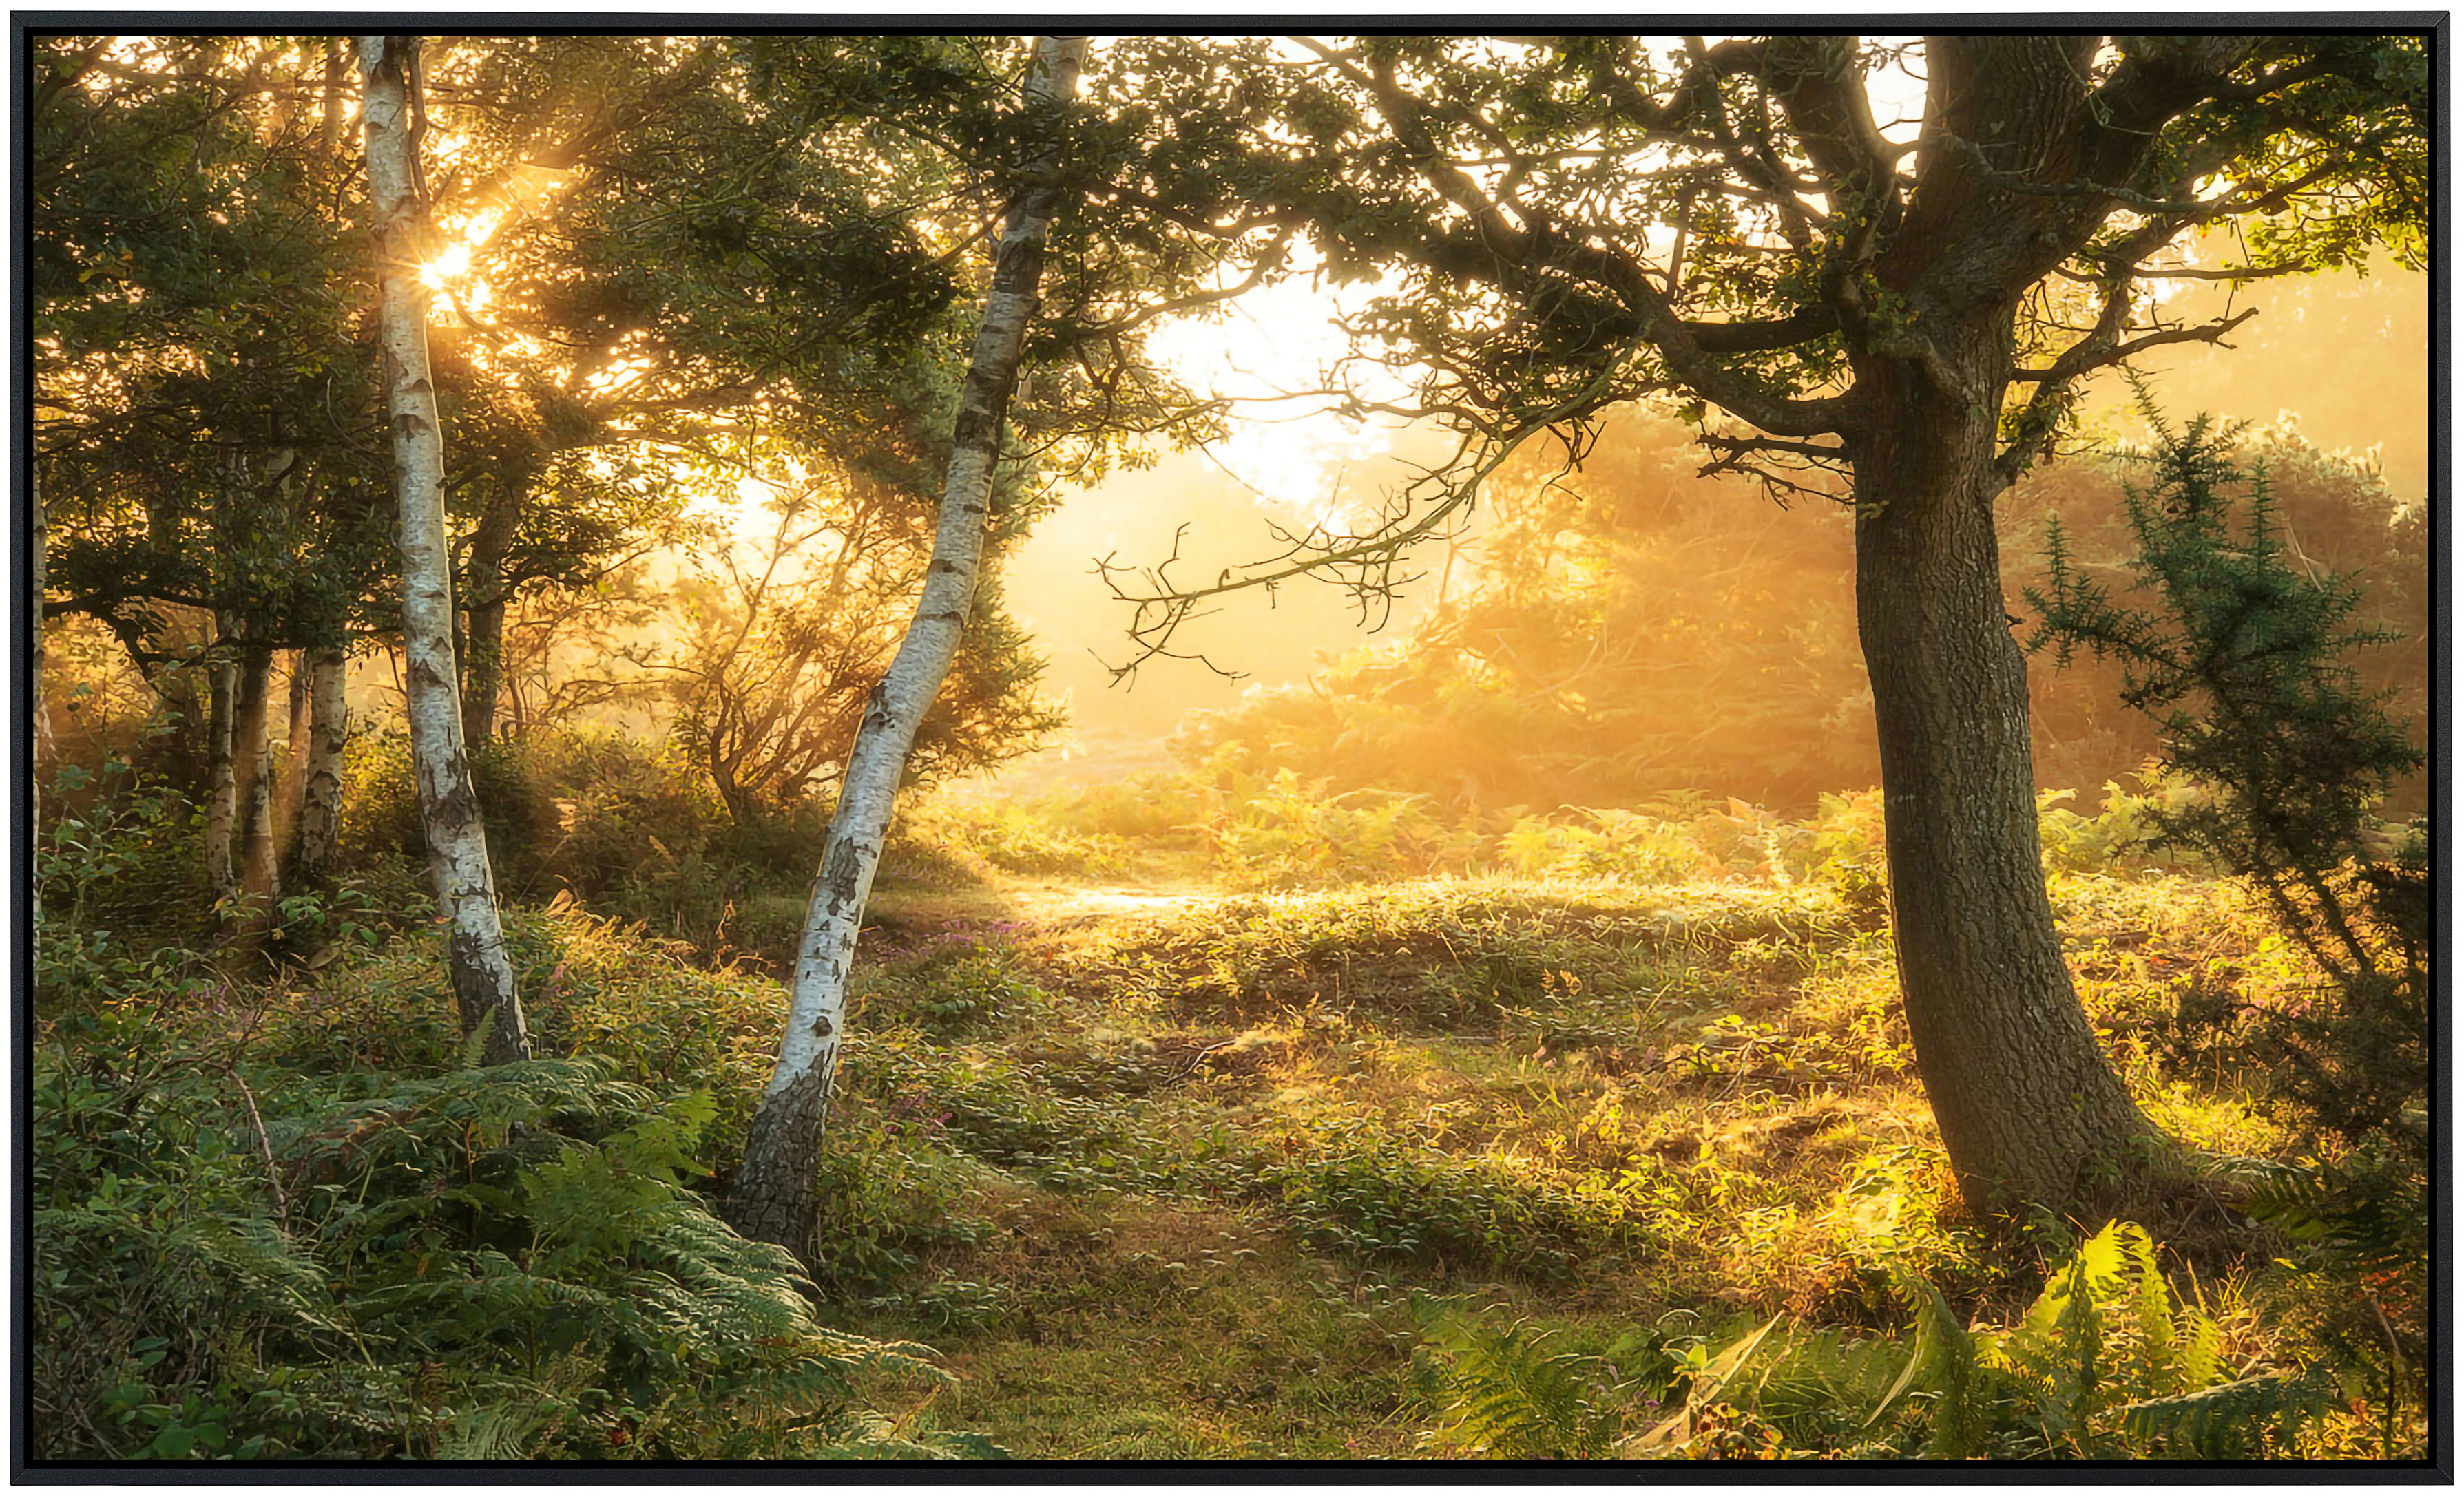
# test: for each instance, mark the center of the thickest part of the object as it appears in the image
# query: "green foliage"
(114, 876)
(1283, 832)
(2244, 662)
(2354, 1280)
(1358, 1189)
(2106, 1363)
(479, 1263)
(2242, 670)
(2126, 832)
(1505, 1393)
(1017, 838)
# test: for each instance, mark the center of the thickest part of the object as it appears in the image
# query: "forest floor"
(1167, 1172)
(1152, 1166)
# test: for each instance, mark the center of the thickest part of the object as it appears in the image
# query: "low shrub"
(232, 1259)
(2107, 1363)
(1355, 1188)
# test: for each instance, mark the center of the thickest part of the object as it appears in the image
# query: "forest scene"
(976, 748)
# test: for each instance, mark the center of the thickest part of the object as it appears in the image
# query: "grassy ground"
(1160, 1170)
(1155, 1168)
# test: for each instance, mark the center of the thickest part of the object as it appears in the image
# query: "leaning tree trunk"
(318, 831)
(2030, 1108)
(476, 961)
(771, 1194)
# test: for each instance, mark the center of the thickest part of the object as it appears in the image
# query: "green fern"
(2107, 1362)
(2362, 1222)
(2226, 1421)
(1505, 1394)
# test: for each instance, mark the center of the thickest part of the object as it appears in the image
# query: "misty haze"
(1169, 748)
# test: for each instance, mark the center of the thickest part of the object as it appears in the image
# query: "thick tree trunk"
(477, 959)
(321, 780)
(771, 1194)
(484, 666)
(2029, 1107)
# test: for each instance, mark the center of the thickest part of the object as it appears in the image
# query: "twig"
(1190, 1068)
(264, 1144)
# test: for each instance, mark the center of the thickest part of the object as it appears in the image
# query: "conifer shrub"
(2243, 653)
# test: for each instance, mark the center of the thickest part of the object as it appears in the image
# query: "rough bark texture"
(2028, 1105)
(321, 780)
(771, 1196)
(291, 781)
(329, 126)
(476, 961)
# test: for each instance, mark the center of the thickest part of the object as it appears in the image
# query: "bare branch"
(2122, 353)
(1371, 566)
(2040, 419)
(1732, 454)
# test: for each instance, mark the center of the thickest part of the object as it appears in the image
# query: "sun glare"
(451, 266)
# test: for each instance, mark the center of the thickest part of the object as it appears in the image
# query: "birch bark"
(37, 748)
(476, 961)
(771, 1194)
(222, 783)
(253, 795)
(291, 780)
(321, 792)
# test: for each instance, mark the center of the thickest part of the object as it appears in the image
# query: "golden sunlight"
(446, 267)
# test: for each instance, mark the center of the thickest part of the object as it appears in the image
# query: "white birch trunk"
(222, 785)
(320, 791)
(253, 795)
(39, 749)
(291, 781)
(476, 961)
(771, 1196)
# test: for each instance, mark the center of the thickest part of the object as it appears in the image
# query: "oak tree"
(1737, 226)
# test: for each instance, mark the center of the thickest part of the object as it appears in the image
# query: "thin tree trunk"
(222, 677)
(771, 1196)
(41, 747)
(2030, 1108)
(329, 131)
(477, 959)
(485, 662)
(319, 830)
(291, 782)
(252, 792)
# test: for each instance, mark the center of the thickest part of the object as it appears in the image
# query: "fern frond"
(507, 1426)
(1505, 1394)
(2224, 1422)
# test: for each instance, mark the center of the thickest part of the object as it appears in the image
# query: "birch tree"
(477, 959)
(771, 1196)
(317, 828)
(36, 743)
